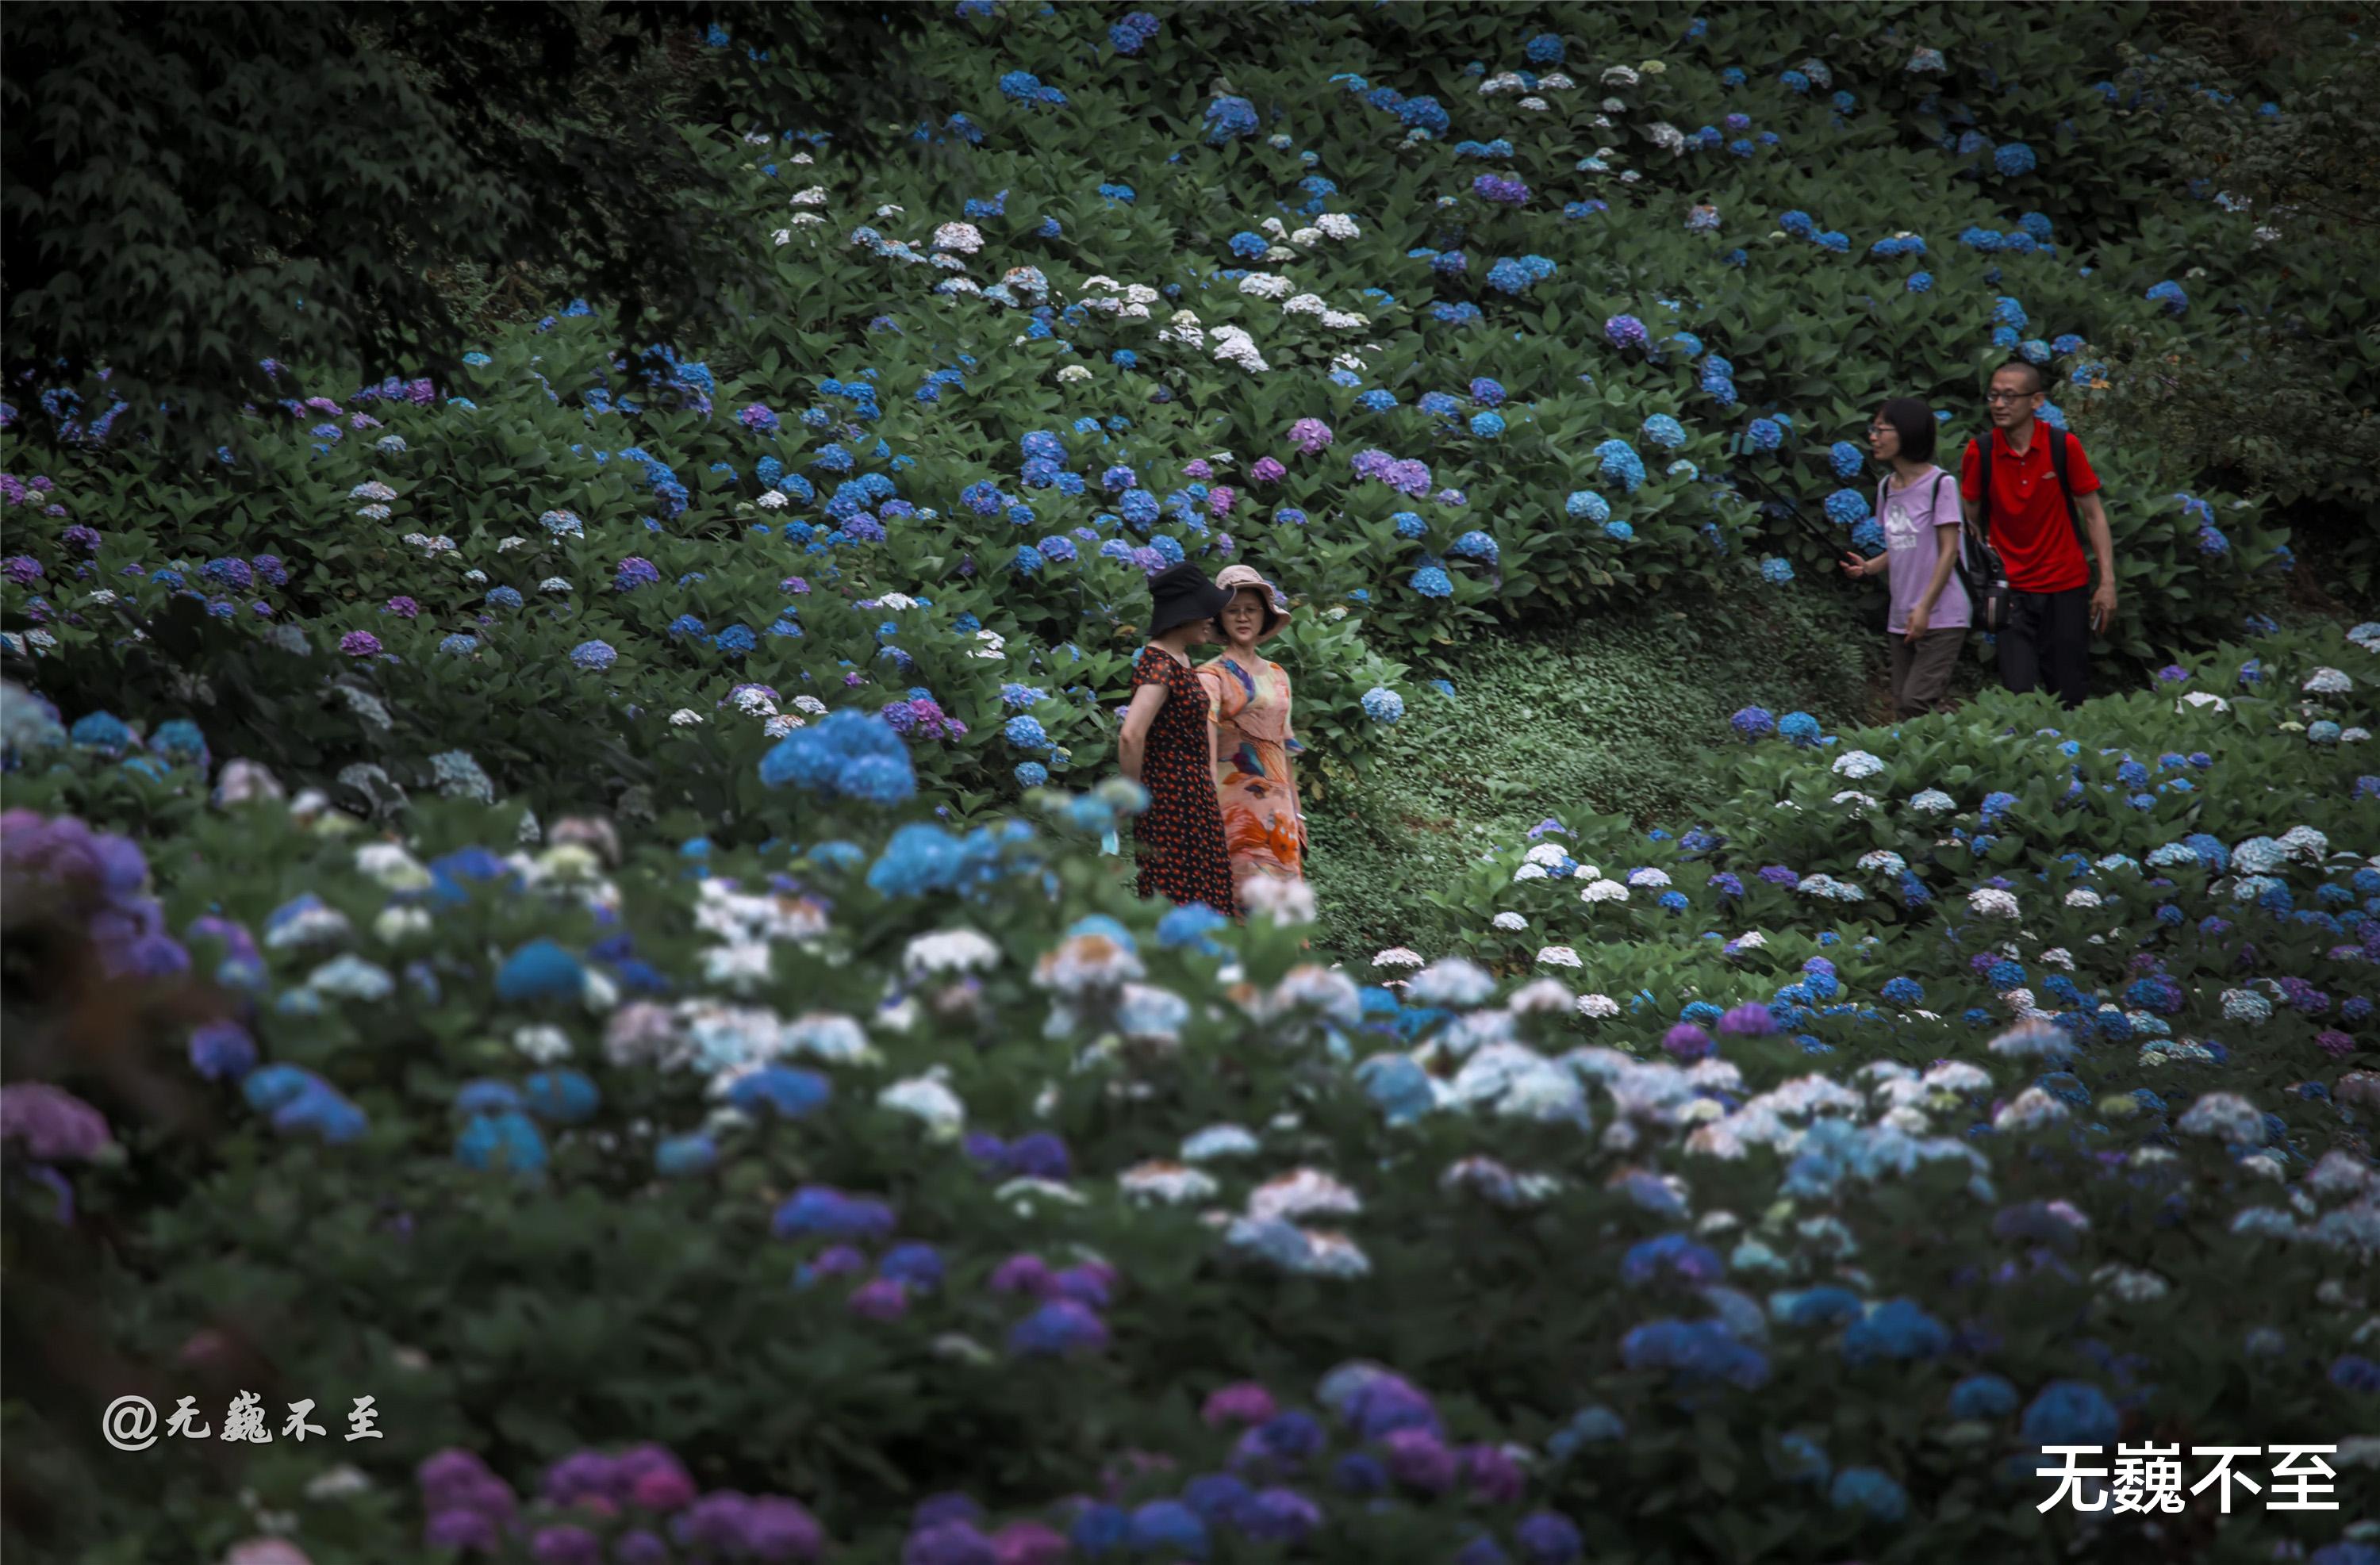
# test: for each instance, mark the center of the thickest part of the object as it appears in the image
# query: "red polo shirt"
(2027, 520)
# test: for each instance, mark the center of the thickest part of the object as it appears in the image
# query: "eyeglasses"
(2008, 396)
(1882, 430)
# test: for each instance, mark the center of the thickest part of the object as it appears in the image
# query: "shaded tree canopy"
(190, 188)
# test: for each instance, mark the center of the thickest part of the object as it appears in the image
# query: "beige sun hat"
(1232, 578)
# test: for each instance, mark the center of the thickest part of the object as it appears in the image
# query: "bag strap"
(1984, 507)
(2057, 460)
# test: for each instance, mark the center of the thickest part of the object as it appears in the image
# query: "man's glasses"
(2008, 396)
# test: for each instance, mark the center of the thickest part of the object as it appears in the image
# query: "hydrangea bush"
(661, 1035)
(1084, 331)
(683, 1200)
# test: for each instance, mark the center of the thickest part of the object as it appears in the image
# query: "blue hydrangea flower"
(1383, 705)
(1617, 459)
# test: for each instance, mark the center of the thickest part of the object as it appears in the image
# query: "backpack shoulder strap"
(2058, 458)
(1984, 476)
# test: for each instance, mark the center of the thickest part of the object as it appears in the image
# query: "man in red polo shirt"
(2052, 608)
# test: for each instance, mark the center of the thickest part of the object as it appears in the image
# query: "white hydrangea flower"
(2082, 896)
(963, 237)
(1617, 76)
(949, 950)
(1883, 861)
(1510, 922)
(1264, 285)
(1547, 854)
(1604, 891)
(1453, 981)
(2032, 1039)
(1597, 1005)
(685, 716)
(1284, 902)
(772, 500)
(1559, 956)
(1648, 876)
(1529, 872)
(2224, 1116)
(2203, 698)
(1337, 225)
(1857, 765)
(1302, 1192)
(1233, 345)
(2032, 1110)
(1539, 996)
(1990, 902)
(2327, 682)
(929, 1099)
(1219, 1141)
(541, 1043)
(394, 868)
(1933, 801)
(396, 925)
(1534, 105)
(1174, 1184)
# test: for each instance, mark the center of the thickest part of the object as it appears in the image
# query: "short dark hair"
(2032, 373)
(1914, 422)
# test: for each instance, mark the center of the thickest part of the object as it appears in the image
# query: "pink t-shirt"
(1910, 517)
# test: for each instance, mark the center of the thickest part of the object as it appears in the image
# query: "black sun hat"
(1179, 594)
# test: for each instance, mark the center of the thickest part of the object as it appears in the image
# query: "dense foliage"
(190, 186)
(566, 895)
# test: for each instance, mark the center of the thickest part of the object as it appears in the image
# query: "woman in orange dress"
(1264, 823)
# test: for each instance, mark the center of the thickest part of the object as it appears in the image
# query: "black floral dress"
(1179, 840)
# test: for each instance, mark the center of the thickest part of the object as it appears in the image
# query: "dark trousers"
(2046, 644)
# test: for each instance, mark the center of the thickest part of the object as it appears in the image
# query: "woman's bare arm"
(1131, 743)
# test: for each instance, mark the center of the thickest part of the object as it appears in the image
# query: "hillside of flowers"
(569, 903)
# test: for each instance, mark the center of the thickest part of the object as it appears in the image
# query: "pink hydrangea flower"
(51, 1124)
(1267, 471)
(359, 644)
(1196, 468)
(1220, 499)
(1310, 435)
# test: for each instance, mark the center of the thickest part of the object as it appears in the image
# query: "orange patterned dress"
(1263, 825)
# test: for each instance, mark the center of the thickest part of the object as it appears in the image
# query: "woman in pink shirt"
(1918, 506)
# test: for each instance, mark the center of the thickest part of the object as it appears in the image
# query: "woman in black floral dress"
(1168, 747)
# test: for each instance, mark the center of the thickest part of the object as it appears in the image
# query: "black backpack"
(1988, 587)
